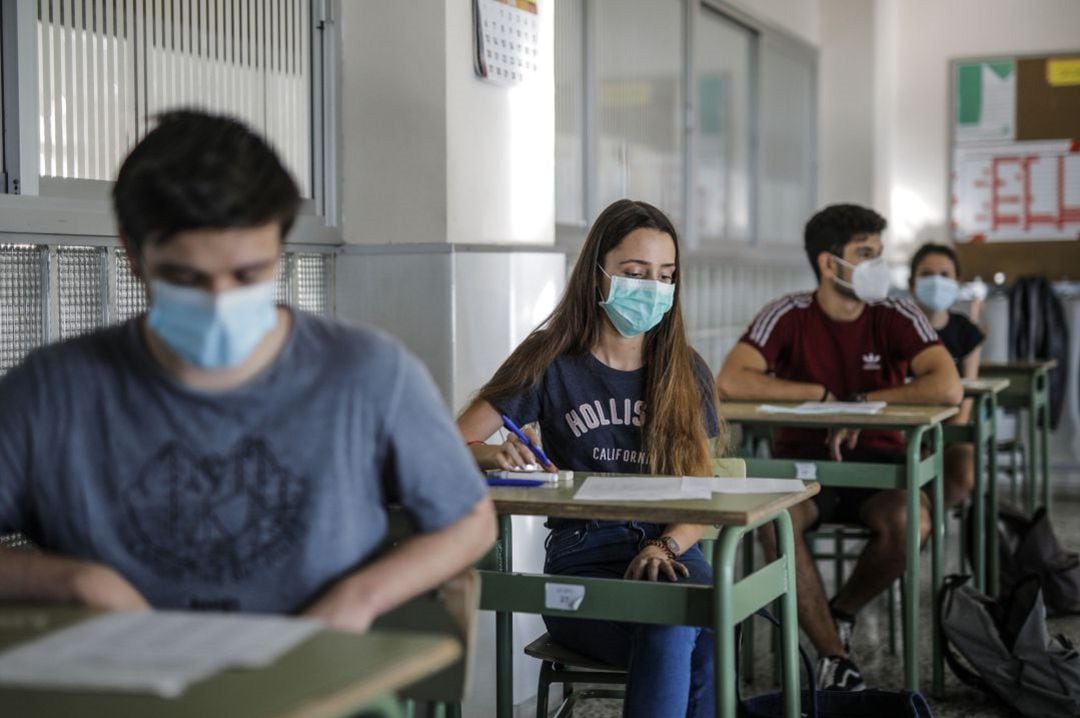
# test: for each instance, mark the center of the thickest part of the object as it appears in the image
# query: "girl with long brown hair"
(615, 386)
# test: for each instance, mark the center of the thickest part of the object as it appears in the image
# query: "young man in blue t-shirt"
(221, 451)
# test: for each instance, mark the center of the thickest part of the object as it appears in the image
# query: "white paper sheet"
(743, 486)
(826, 407)
(155, 652)
(639, 488)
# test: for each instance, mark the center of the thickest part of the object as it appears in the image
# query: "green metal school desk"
(915, 422)
(981, 431)
(331, 674)
(1029, 390)
(721, 606)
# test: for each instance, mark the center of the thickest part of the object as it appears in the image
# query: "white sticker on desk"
(806, 470)
(563, 596)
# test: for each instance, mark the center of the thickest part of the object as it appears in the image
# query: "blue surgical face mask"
(212, 330)
(936, 292)
(635, 306)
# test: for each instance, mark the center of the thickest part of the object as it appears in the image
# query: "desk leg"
(504, 628)
(789, 619)
(724, 619)
(983, 420)
(937, 529)
(911, 579)
(994, 568)
(384, 707)
(1044, 435)
(1032, 473)
(724, 552)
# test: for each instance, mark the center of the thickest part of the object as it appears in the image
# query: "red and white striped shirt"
(801, 343)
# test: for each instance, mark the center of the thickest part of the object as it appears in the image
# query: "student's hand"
(98, 586)
(511, 455)
(342, 607)
(841, 437)
(650, 562)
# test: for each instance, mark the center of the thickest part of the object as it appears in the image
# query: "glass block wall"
(49, 292)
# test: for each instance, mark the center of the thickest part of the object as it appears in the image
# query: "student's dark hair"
(933, 248)
(199, 171)
(674, 432)
(833, 227)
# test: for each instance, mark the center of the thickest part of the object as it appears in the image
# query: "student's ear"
(825, 265)
(132, 255)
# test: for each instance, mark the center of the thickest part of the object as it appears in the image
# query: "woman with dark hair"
(615, 386)
(935, 271)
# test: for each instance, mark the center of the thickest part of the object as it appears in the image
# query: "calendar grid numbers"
(507, 40)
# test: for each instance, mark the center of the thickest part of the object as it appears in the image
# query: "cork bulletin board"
(1015, 165)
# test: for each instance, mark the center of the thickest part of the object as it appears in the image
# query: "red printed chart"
(1016, 191)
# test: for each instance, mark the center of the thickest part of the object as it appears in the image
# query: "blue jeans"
(669, 668)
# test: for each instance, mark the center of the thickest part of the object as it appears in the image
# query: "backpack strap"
(965, 674)
(810, 694)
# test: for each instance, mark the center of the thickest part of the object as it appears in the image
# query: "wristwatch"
(858, 396)
(670, 545)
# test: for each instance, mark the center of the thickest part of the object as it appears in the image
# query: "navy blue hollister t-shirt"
(590, 415)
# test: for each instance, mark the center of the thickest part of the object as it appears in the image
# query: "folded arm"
(50, 578)
(745, 377)
(418, 564)
(936, 381)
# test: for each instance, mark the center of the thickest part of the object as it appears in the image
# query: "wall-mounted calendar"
(506, 39)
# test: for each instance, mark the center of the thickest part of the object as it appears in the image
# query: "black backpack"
(1010, 652)
(1028, 547)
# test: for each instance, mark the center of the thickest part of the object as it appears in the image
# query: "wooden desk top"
(722, 509)
(1027, 366)
(331, 674)
(894, 416)
(978, 387)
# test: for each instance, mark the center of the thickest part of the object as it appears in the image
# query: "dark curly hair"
(833, 227)
(198, 171)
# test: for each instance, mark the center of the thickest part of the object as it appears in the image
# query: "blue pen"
(525, 440)
(514, 482)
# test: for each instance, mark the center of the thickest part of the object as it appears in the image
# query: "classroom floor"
(882, 670)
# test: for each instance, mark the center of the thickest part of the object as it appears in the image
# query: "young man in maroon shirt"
(845, 341)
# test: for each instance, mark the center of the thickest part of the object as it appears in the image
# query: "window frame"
(569, 236)
(48, 210)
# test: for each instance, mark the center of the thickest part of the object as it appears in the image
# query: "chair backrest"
(450, 609)
(729, 467)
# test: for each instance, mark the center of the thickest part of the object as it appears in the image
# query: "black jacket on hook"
(1037, 330)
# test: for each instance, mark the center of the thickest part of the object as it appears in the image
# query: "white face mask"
(870, 279)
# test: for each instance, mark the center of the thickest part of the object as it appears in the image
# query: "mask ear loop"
(846, 283)
(599, 291)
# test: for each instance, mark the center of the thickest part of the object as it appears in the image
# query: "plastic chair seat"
(559, 664)
(545, 648)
